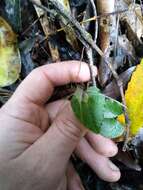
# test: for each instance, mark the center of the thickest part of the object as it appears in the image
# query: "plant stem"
(89, 53)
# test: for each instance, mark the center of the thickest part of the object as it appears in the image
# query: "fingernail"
(113, 151)
(112, 166)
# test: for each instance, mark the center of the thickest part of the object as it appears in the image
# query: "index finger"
(39, 85)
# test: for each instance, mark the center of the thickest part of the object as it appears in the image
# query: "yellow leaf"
(10, 62)
(121, 119)
(134, 100)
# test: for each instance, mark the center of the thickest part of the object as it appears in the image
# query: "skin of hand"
(37, 139)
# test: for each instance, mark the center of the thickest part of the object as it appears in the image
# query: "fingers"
(52, 151)
(103, 167)
(54, 108)
(39, 85)
(102, 145)
(95, 152)
(73, 179)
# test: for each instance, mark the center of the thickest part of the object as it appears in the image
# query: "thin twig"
(116, 38)
(96, 23)
(89, 53)
(43, 7)
(29, 27)
(120, 85)
(127, 120)
(141, 3)
(85, 21)
(81, 58)
(83, 36)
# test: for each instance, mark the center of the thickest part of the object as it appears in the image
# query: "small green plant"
(98, 112)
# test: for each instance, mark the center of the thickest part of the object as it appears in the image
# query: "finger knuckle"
(69, 128)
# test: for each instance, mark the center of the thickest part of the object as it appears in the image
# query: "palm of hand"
(28, 122)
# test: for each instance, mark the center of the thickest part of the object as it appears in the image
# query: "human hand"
(34, 155)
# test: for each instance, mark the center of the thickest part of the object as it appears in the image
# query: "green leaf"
(113, 108)
(111, 128)
(97, 112)
(93, 90)
(76, 103)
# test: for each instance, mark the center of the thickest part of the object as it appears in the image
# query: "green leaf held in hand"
(97, 112)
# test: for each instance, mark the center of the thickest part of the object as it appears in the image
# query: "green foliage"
(97, 112)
